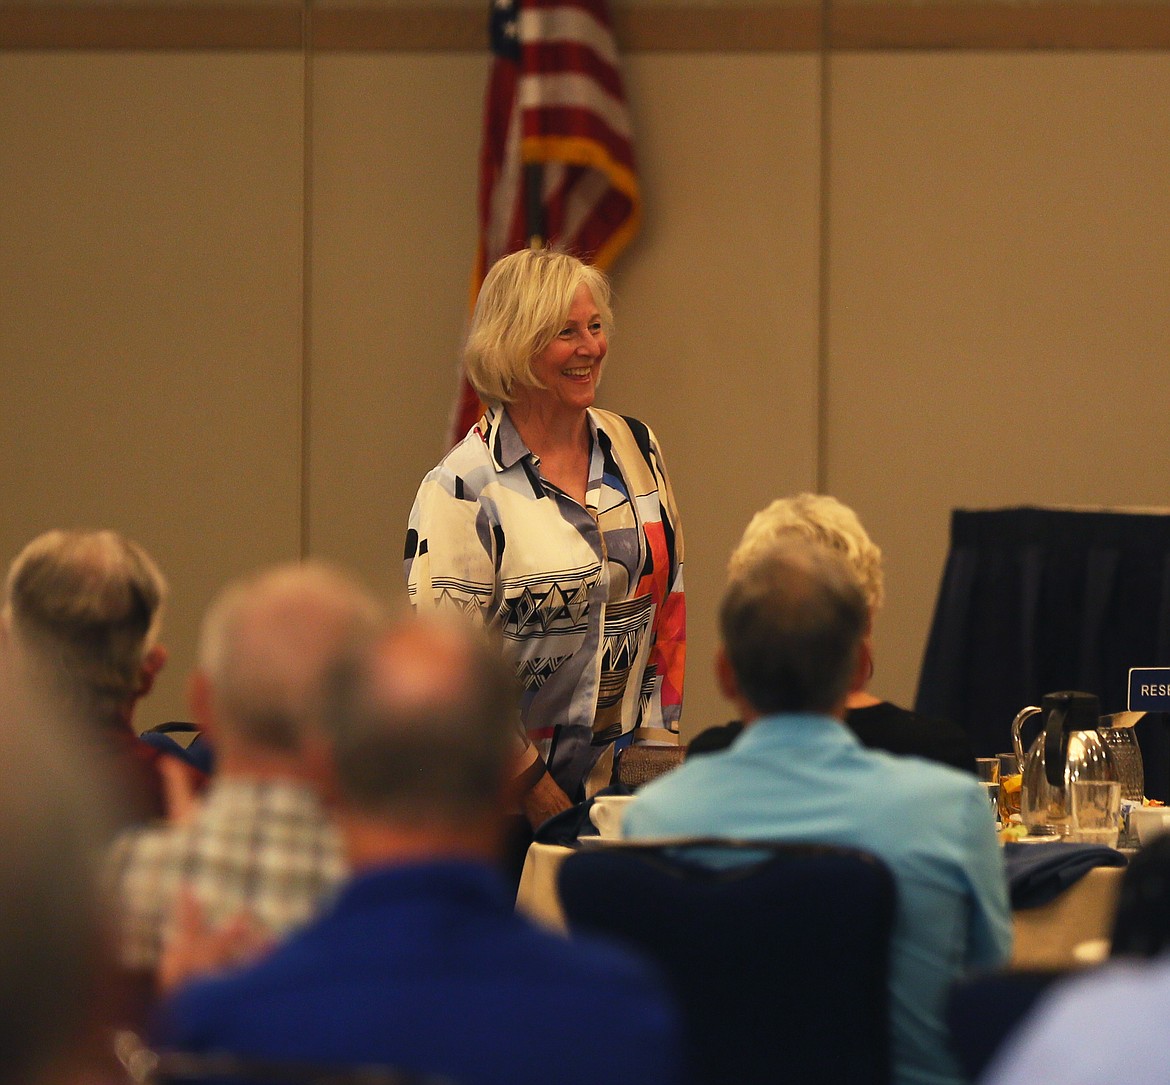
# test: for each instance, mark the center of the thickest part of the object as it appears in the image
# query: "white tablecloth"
(1045, 937)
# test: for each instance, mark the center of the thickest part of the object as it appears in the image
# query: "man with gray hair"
(422, 964)
(792, 622)
(81, 618)
(259, 844)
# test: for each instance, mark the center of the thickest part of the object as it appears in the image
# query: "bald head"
(267, 642)
(422, 721)
(85, 608)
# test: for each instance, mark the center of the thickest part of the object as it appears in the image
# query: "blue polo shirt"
(808, 778)
(426, 968)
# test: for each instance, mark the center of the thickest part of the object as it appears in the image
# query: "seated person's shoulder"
(889, 727)
(715, 738)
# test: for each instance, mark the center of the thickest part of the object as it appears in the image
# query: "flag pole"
(534, 224)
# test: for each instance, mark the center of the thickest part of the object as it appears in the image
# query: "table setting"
(1065, 843)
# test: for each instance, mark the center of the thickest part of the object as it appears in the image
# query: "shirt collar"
(505, 445)
(795, 728)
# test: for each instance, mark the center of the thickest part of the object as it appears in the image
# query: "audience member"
(879, 724)
(57, 815)
(81, 617)
(421, 963)
(1105, 1027)
(793, 621)
(258, 847)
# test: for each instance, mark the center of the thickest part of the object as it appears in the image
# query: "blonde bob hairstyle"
(521, 307)
(825, 520)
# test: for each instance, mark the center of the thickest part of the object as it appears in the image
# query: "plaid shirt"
(264, 846)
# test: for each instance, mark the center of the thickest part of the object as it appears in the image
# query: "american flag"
(557, 163)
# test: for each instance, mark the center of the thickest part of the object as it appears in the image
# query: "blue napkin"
(567, 827)
(1038, 873)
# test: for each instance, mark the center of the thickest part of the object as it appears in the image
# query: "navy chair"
(984, 1009)
(778, 954)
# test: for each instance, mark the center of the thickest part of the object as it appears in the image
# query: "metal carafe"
(1068, 748)
(1117, 732)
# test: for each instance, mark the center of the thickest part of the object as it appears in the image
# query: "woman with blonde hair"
(554, 522)
(878, 723)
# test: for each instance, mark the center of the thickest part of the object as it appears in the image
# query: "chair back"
(984, 1009)
(638, 765)
(146, 1066)
(778, 954)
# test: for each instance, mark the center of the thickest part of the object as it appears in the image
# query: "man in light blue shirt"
(792, 621)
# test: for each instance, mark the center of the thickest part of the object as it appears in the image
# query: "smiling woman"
(554, 522)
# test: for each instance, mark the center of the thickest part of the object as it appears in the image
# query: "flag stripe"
(562, 56)
(548, 102)
(563, 23)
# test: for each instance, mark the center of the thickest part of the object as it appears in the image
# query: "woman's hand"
(544, 799)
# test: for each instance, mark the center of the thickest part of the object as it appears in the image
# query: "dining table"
(1071, 930)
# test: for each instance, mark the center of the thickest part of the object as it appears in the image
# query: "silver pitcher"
(1069, 747)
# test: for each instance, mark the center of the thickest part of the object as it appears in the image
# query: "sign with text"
(1149, 689)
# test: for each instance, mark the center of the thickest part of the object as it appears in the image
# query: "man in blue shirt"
(422, 964)
(792, 621)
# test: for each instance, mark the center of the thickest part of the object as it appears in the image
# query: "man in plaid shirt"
(421, 962)
(255, 857)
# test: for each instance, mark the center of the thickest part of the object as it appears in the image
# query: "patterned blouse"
(589, 601)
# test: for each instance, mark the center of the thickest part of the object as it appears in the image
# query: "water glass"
(988, 771)
(1096, 811)
(1010, 785)
(987, 768)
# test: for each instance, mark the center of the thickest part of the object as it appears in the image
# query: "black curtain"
(1038, 600)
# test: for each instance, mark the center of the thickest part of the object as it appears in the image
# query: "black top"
(883, 726)
(886, 726)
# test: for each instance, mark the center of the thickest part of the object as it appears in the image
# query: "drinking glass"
(988, 769)
(1096, 811)
(1010, 783)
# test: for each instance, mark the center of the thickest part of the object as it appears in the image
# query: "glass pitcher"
(1068, 748)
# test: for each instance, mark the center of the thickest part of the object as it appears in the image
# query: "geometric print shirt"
(588, 600)
(264, 845)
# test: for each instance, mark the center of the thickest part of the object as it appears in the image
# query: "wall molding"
(788, 26)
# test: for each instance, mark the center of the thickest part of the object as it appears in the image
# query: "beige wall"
(997, 326)
(150, 331)
(232, 334)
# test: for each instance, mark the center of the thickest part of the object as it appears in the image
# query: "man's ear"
(725, 675)
(153, 662)
(863, 671)
(201, 698)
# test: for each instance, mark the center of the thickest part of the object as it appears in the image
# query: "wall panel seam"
(782, 26)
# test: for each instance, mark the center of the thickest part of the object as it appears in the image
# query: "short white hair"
(825, 520)
(268, 640)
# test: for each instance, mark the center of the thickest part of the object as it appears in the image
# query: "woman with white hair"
(878, 723)
(554, 521)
